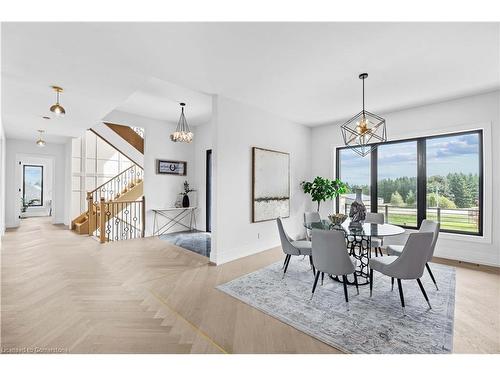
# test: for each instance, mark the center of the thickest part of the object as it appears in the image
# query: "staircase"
(115, 210)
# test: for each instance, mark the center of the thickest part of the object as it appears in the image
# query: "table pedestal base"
(359, 248)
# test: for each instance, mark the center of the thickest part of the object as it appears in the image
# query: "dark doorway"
(209, 191)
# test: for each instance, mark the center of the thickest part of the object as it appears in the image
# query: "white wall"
(479, 111)
(2, 179)
(20, 148)
(239, 128)
(160, 190)
(203, 141)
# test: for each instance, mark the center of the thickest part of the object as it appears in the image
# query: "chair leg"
(401, 296)
(312, 265)
(392, 284)
(376, 252)
(432, 276)
(371, 282)
(286, 265)
(344, 281)
(380, 251)
(423, 292)
(322, 278)
(356, 282)
(315, 283)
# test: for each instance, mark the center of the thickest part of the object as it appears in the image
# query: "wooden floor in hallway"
(62, 292)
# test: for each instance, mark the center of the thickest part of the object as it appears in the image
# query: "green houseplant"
(322, 189)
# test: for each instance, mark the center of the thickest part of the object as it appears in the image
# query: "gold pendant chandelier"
(57, 108)
(40, 141)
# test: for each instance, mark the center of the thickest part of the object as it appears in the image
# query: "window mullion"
(421, 181)
(373, 180)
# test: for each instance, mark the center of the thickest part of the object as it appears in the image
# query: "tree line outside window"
(437, 177)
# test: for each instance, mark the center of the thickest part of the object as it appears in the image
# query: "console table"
(173, 216)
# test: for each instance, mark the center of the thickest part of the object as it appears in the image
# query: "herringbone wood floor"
(62, 290)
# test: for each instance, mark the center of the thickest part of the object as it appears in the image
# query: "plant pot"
(185, 201)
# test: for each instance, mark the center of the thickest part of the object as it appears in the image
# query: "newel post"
(90, 211)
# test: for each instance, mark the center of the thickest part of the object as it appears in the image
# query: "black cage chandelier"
(365, 129)
(182, 133)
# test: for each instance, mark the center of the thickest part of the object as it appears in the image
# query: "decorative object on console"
(171, 167)
(357, 213)
(365, 129)
(182, 132)
(271, 184)
(185, 198)
(322, 189)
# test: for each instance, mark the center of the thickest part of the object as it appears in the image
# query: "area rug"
(196, 241)
(369, 325)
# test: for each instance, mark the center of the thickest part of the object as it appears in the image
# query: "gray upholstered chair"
(311, 217)
(408, 266)
(376, 218)
(426, 226)
(329, 254)
(291, 247)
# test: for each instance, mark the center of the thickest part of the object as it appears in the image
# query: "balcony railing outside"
(451, 219)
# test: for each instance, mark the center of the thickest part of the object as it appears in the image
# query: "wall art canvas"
(271, 184)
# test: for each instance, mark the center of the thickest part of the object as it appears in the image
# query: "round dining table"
(358, 241)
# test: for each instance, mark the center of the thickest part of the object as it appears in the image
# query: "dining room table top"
(366, 229)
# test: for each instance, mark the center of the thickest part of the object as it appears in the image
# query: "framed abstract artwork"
(270, 184)
(174, 167)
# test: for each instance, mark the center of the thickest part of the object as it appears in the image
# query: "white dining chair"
(376, 242)
(330, 256)
(408, 266)
(426, 226)
(291, 247)
(311, 217)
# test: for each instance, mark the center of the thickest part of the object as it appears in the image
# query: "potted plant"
(322, 189)
(24, 206)
(185, 198)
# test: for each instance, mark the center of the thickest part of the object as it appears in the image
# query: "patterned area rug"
(199, 242)
(370, 325)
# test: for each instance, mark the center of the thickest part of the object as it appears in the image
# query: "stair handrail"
(135, 173)
(107, 231)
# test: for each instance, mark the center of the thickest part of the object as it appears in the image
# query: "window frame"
(421, 177)
(24, 184)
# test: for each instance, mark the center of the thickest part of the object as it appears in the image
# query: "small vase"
(185, 201)
(357, 213)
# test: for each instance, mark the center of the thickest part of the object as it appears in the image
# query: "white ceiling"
(305, 72)
(160, 100)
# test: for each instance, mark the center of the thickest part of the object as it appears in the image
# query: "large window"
(355, 172)
(453, 184)
(397, 182)
(33, 185)
(437, 178)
